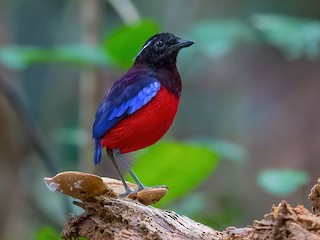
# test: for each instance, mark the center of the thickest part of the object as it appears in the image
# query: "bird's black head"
(161, 49)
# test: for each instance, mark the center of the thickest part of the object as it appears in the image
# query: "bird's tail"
(97, 151)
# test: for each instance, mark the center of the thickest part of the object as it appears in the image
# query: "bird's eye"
(159, 44)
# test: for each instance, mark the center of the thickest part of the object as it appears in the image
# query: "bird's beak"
(182, 44)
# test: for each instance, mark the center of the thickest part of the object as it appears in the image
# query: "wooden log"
(116, 218)
(109, 215)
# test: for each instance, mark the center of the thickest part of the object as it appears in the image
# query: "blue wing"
(136, 102)
(124, 98)
(128, 94)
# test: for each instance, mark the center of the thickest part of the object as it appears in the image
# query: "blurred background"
(247, 132)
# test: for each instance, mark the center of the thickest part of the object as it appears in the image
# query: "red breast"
(146, 126)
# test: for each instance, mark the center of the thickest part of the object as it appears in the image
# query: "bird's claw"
(132, 192)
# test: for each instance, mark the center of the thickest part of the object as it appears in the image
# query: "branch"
(107, 215)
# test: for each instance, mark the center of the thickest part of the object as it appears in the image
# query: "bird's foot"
(129, 192)
(160, 186)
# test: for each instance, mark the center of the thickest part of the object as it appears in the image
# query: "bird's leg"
(117, 154)
(126, 187)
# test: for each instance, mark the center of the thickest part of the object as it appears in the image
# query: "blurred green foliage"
(225, 210)
(47, 233)
(282, 182)
(191, 205)
(217, 38)
(228, 211)
(226, 150)
(294, 37)
(124, 42)
(19, 58)
(178, 165)
(119, 49)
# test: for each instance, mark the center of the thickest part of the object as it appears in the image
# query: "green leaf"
(125, 42)
(217, 38)
(18, 58)
(225, 149)
(293, 36)
(47, 233)
(282, 182)
(179, 166)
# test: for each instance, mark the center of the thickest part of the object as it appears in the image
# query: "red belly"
(144, 127)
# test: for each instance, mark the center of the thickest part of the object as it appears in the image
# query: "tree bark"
(116, 218)
(107, 215)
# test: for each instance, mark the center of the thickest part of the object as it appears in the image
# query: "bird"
(141, 105)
